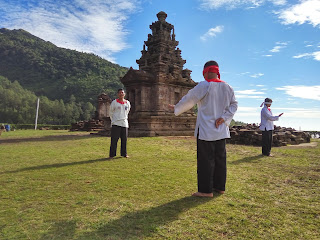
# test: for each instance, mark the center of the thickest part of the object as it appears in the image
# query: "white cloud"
(282, 43)
(214, 4)
(257, 75)
(260, 85)
(230, 4)
(248, 96)
(279, 2)
(250, 93)
(276, 49)
(254, 75)
(88, 26)
(248, 112)
(306, 11)
(244, 73)
(305, 92)
(289, 113)
(279, 46)
(306, 113)
(314, 55)
(212, 32)
(303, 55)
(267, 55)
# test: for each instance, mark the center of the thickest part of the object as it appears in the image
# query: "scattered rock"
(250, 134)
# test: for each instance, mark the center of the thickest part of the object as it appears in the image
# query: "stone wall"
(250, 134)
(91, 125)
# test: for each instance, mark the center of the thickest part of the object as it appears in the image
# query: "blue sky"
(265, 48)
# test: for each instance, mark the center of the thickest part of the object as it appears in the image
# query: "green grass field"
(59, 185)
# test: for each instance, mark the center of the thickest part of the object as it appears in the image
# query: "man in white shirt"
(119, 110)
(216, 107)
(266, 126)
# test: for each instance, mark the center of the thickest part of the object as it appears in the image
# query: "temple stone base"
(162, 126)
(152, 126)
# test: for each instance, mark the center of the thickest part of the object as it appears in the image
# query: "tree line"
(18, 105)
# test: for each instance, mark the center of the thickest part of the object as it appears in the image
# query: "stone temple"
(160, 80)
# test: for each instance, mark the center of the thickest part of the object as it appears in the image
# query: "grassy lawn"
(59, 185)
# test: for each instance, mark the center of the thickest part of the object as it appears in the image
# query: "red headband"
(213, 69)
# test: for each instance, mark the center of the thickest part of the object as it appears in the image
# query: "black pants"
(212, 165)
(266, 142)
(116, 133)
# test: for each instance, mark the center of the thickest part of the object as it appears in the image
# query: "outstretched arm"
(266, 113)
(192, 98)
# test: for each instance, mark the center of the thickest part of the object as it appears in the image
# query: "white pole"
(35, 127)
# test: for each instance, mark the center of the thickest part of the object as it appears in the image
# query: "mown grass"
(59, 185)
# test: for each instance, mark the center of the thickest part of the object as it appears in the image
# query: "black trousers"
(116, 133)
(266, 142)
(212, 165)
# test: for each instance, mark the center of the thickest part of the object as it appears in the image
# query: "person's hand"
(171, 107)
(219, 121)
(280, 114)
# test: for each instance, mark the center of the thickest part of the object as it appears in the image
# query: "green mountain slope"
(55, 72)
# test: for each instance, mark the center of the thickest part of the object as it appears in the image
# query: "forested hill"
(57, 73)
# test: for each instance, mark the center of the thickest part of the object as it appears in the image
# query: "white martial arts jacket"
(119, 113)
(267, 119)
(215, 100)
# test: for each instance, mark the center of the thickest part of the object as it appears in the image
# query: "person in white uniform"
(216, 106)
(119, 110)
(266, 126)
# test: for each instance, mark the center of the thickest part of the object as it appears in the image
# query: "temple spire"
(160, 54)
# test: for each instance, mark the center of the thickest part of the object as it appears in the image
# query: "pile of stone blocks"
(250, 134)
(91, 125)
(100, 121)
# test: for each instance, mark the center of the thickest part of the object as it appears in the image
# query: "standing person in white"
(266, 126)
(216, 107)
(119, 110)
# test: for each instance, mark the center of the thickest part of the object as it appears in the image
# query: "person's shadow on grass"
(135, 225)
(56, 165)
(47, 138)
(247, 159)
